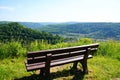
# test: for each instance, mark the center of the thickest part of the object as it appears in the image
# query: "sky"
(60, 10)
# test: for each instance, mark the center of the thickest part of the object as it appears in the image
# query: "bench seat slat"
(67, 60)
(35, 67)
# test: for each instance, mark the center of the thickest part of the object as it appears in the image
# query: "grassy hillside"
(104, 65)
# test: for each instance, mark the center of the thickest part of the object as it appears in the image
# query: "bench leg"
(75, 65)
(84, 65)
(47, 66)
(42, 71)
(47, 73)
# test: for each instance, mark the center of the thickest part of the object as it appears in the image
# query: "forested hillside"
(15, 31)
(91, 30)
(35, 25)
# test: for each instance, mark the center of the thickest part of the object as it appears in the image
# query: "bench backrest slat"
(61, 50)
(36, 60)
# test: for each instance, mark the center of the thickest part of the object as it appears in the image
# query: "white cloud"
(7, 8)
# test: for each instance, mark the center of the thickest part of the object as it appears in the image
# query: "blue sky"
(60, 10)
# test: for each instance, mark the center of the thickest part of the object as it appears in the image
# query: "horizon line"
(62, 21)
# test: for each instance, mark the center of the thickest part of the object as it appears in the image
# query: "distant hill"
(35, 25)
(91, 30)
(15, 31)
(31, 24)
(96, 30)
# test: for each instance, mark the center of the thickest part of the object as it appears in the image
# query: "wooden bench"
(43, 60)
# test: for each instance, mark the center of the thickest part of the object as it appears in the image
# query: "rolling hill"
(16, 31)
(96, 30)
(91, 30)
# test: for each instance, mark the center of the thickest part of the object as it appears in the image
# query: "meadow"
(103, 66)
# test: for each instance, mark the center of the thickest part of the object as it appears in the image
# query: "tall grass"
(11, 50)
(110, 48)
(104, 68)
(12, 68)
(16, 49)
(38, 45)
(43, 45)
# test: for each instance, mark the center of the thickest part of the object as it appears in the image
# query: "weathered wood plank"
(61, 50)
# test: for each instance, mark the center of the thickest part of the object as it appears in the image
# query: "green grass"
(103, 66)
(12, 68)
(110, 48)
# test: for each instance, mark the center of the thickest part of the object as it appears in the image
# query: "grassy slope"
(104, 66)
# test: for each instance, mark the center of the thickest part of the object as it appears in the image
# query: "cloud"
(7, 8)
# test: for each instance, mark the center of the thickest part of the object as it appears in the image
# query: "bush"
(12, 49)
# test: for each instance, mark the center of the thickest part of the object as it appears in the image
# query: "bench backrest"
(40, 56)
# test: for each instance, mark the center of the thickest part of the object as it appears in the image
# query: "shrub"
(12, 49)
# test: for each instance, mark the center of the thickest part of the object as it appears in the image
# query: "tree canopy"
(16, 31)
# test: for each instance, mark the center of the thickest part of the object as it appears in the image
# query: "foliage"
(110, 48)
(11, 50)
(90, 30)
(15, 31)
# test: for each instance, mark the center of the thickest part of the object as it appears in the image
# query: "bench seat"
(58, 62)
